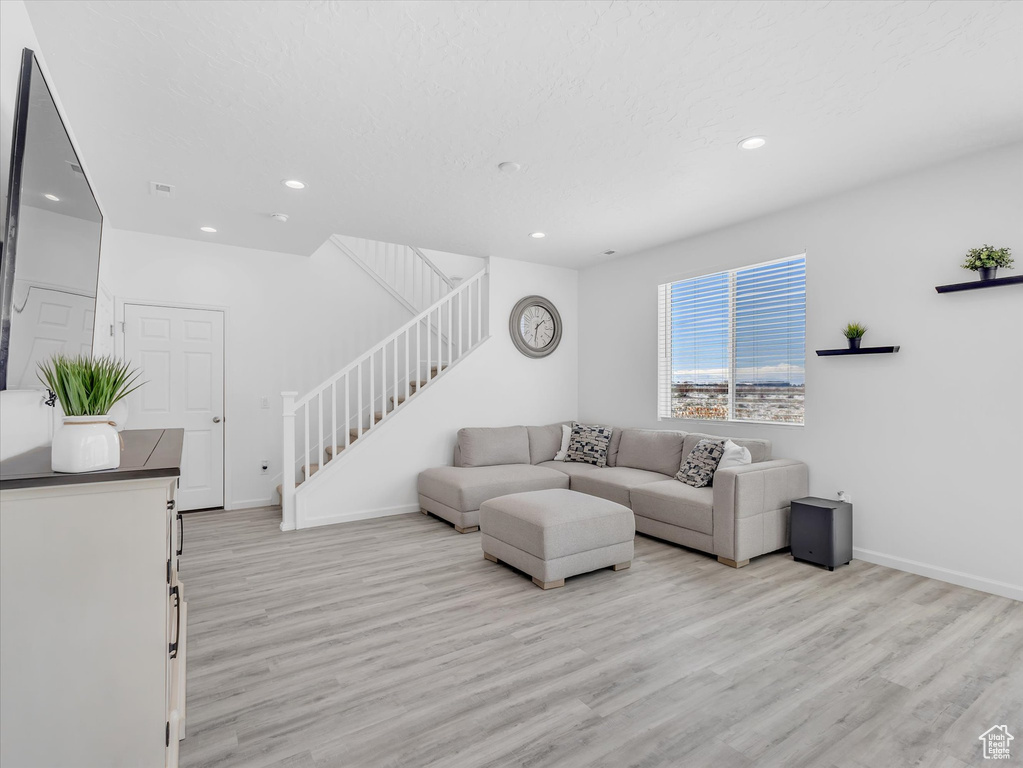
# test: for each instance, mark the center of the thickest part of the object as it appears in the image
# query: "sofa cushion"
(676, 503)
(570, 468)
(612, 446)
(552, 524)
(760, 450)
(651, 449)
(734, 456)
(544, 442)
(465, 488)
(614, 483)
(490, 446)
(588, 444)
(698, 468)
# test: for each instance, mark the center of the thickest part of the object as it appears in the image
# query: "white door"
(49, 321)
(181, 354)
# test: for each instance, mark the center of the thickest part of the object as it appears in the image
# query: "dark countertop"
(146, 453)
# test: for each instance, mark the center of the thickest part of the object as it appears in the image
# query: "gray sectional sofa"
(744, 514)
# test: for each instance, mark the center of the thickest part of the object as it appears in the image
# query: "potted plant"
(854, 332)
(986, 260)
(87, 388)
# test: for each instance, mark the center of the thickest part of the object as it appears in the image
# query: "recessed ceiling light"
(54, 198)
(207, 229)
(537, 235)
(753, 142)
(281, 217)
(293, 184)
(509, 167)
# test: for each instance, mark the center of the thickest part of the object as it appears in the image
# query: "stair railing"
(403, 364)
(403, 270)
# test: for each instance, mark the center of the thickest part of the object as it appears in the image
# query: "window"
(732, 344)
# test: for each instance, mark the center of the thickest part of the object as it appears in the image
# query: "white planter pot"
(85, 444)
(119, 415)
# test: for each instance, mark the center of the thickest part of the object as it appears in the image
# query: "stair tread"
(280, 487)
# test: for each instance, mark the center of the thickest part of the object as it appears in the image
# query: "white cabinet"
(90, 610)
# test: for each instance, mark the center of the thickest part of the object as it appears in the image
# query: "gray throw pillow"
(588, 444)
(698, 468)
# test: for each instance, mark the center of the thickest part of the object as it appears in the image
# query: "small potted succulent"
(87, 388)
(853, 333)
(986, 260)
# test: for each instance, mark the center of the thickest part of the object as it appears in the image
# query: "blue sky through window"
(770, 325)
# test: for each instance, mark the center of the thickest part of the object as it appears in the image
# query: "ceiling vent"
(161, 190)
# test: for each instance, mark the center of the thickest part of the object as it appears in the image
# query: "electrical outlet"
(264, 402)
(264, 466)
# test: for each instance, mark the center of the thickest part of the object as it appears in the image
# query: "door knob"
(216, 419)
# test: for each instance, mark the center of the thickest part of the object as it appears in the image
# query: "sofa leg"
(424, 511)
(468, 529)
(733, 563)
(489, 557)
(548, 584)
(622, 566)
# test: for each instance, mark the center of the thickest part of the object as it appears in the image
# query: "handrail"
(404, 271)
(447, 280)
(380, 345)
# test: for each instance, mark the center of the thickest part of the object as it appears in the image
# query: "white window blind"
(731, 345)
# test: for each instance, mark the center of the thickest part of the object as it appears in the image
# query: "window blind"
(731, 345)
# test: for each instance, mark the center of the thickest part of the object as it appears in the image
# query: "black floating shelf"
(860, 351)
(973, 285)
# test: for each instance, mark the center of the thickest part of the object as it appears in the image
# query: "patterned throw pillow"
(698, 468)
(588, 444)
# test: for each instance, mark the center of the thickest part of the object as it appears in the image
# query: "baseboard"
(1000, 588)
(249, 504)
(366, 514)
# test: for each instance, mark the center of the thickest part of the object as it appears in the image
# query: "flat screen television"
(49, 274)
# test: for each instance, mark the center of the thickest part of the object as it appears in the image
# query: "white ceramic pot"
(85, 444)
(119, 415)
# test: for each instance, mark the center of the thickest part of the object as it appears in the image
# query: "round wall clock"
(535, 326)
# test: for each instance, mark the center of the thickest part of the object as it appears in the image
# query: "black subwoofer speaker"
(821, 531)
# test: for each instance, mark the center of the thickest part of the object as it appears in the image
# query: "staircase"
(323, 426)
(403, 270)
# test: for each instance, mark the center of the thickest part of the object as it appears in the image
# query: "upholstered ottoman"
(557, 533)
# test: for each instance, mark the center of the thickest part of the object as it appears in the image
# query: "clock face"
(535, 326)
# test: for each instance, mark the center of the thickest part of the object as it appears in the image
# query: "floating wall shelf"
(973, 285)
(860, 351)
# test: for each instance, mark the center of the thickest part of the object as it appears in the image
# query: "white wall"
(291, 322)
(494, 386)
(929, 441)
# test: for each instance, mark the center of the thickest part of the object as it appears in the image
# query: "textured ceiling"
(624, 115)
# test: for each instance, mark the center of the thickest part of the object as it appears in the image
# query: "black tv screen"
(50, 266)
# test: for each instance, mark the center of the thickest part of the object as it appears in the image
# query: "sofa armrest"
(751, 506)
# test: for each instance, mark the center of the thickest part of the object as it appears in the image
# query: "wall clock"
(535, 326)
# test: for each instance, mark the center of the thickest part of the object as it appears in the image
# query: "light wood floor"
(392, 642)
